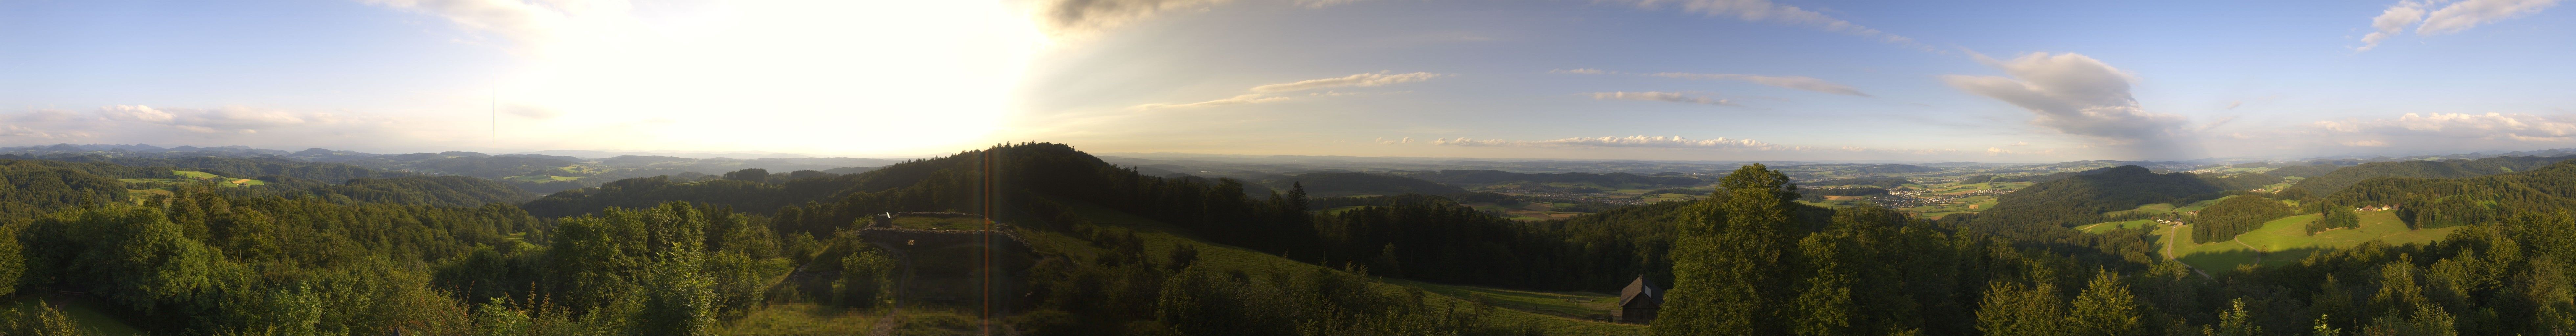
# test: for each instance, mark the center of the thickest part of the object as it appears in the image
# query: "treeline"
(2339, 179)
(2436, 203)
(2236, 216)
(1743, 266)
(1745, 263)
(1497, 177)
(751, 189)
(446, 191)
(239, 167)
(1347, 184)
(2334, 217)
(39, 184)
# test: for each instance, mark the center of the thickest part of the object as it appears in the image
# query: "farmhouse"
(1637, 303)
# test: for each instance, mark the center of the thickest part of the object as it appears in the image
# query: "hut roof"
(1641, 292)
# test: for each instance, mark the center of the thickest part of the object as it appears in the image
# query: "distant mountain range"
(540, 171)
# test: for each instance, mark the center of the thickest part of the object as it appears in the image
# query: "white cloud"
(1359, 80)
(1255, 98)
(1583, 71)
(2021, 143)
(2391, 22)
(2366, 143)
(2471, 13)
(1676, 97)
(1616, 141)
(1793, 82)
(2452, 18)
(2078, 95)
(1767, 11)
(1405, 140)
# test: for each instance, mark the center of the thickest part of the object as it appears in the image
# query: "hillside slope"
(1547, 311)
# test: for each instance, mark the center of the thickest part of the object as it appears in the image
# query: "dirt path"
(2258, 252)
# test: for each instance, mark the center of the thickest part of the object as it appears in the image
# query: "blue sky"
(2020, 81)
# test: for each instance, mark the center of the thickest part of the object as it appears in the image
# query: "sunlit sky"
(1996, 81)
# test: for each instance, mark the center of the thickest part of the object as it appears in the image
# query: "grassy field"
(2108, 226)
(2152, 209)
(800, 319)
(541, 178)
(182, 176)
(1567, 304)
(1159, 239)
(2285, 240)
(939, 223)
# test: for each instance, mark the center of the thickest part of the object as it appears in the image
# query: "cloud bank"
(1793, 82)
(228, 125)
(2078, 95)
(2448, 128)
(1676, 97)
(1380, 78)
(1769, 12)
(1618, 141)
(1267, 93)
(1237, 100)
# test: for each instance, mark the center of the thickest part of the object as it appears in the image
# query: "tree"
(1725, 258)
(2234, 321)
(2011, 309)
(748, 174)
(2106, 308)
(13, 260)
(866, 278)
(39, 319)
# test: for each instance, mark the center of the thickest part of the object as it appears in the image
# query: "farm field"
(182, 176)
(2284, 241)
(2108, 226)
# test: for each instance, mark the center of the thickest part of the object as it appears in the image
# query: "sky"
(1993, 81)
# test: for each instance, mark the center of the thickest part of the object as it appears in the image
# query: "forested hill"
(1455, 177)
(239, 167)
(2082, 198)
(2340, 178)
(445, 191)
(1345, 184)
(2446, 202)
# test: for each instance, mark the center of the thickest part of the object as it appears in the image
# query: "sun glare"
(831, 77)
